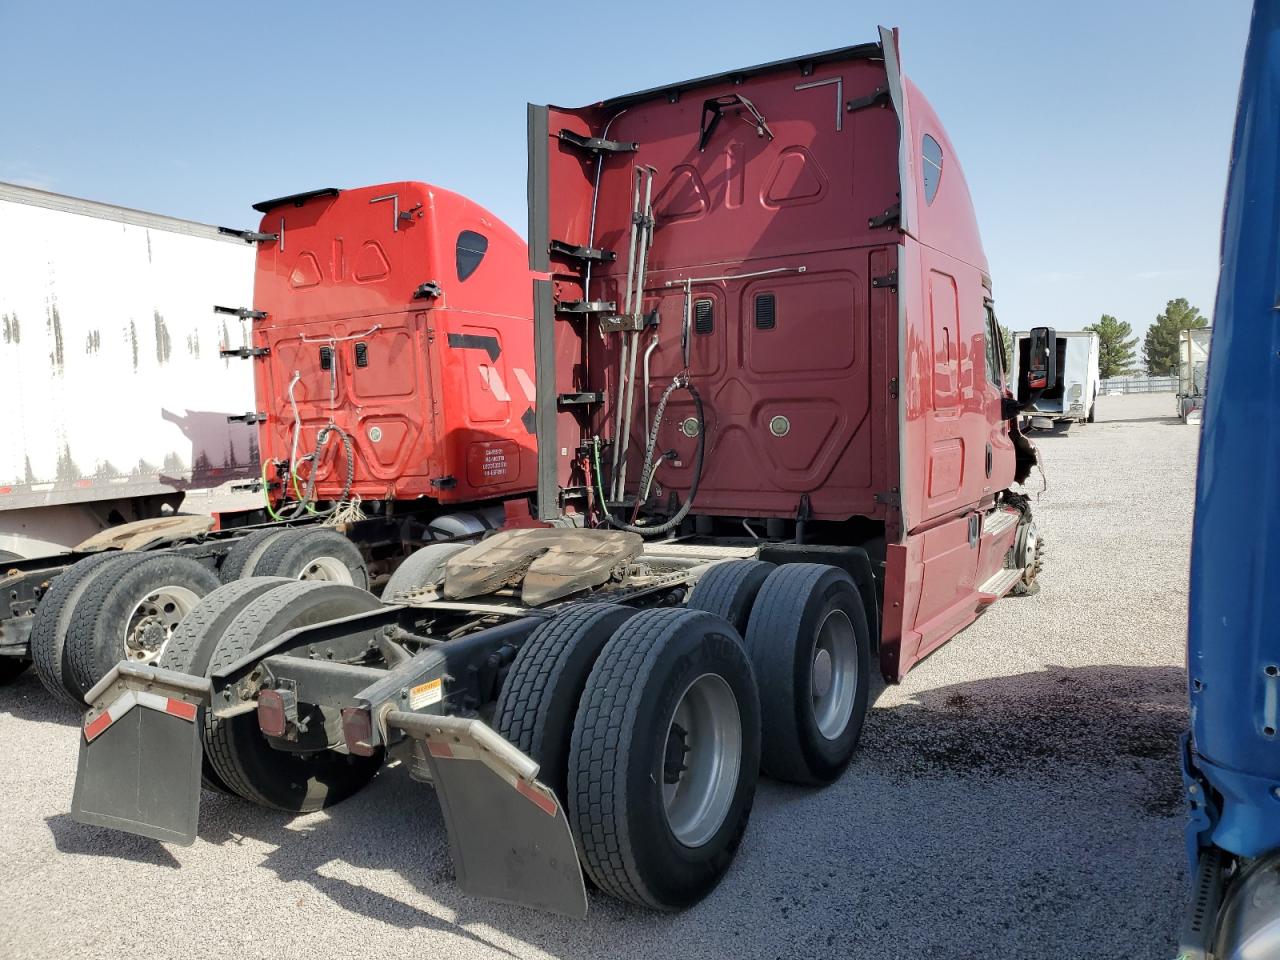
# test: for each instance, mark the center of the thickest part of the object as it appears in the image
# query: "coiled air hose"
(646, 474)
(306, 498)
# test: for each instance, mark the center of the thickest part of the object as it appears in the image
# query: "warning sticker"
(425, 694)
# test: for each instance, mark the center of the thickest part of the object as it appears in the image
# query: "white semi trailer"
(115, 395)
(1193, 369)
(1073, 395)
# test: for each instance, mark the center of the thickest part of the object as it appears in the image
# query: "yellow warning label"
(425, 694)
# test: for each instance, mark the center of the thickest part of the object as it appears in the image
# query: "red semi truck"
(776, 443)
(391, 341)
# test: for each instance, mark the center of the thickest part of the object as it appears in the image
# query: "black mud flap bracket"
(508, 834)
(140, 753)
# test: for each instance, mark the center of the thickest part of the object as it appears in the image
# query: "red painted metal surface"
(435, 391)
(889, 404)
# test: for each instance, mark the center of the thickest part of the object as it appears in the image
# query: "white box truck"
(1193, 369)
(1073, 395)
(115, 396)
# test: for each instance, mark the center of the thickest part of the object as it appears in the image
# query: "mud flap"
(140, 753)
(508, 835)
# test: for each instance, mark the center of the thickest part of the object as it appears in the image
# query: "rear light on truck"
(273, 718)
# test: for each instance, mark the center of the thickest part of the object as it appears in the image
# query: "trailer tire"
(245, 554)
(803, 611)
(191, 647)
(540, 695)
(729, 589)
(314, 554)
(237, 748)
(50, 624)
(639, 841)
(420, 568)
(130, 606)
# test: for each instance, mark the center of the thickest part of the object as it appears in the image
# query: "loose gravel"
(1016, 796)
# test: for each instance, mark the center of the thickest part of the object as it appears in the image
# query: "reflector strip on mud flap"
(508, 835)
(139, 770)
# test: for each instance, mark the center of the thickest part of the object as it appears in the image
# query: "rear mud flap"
(508, 835)
(140, 753)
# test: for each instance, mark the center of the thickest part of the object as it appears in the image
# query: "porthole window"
(932, 168)
(470, 251)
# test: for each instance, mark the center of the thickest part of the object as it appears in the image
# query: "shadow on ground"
(27, 699)
(1061, 730)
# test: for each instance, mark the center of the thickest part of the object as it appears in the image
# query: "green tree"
(1007, 335)
(1115, 346)
(1160, 348)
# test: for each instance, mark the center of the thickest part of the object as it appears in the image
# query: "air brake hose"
(680, 382)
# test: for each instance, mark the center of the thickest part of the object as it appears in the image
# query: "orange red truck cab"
(398, 317)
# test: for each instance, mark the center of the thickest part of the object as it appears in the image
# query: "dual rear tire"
(652, 727)
(111, 607)
(238, 758)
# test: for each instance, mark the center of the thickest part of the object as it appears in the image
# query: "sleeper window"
(932, 167)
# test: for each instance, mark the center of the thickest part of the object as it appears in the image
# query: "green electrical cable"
(266, 492)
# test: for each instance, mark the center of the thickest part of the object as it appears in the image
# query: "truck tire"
(191, 647)
(729, 589)
(664, 758)
(420, 568)
(314, 554)
(809, 640)
(239, 752)
(49, 626)
(245, 554)
(129, 610)
(539, 698)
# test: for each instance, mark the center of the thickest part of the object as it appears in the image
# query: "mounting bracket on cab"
(244, 313)
(583, 307)
(573, 252)
(427, 291)
(249, 236)
(249, 418)
(596, 145)
(245, 353)
(878, 97)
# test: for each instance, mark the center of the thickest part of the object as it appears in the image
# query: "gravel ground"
(1016, 796)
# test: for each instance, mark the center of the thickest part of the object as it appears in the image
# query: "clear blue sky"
(1094, 135)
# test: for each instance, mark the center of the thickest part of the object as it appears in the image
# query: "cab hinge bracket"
(888, 282)
(247, 418)
(444, 483)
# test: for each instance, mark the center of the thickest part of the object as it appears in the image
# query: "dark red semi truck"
(776, 443)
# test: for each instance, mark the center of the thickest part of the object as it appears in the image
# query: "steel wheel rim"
(153, 619)
(328, 569)
(834, 683)
(705, 733)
